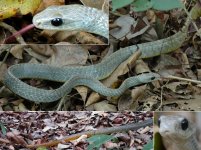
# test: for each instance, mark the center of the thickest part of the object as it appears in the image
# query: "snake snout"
(165, 132)
(38, 23)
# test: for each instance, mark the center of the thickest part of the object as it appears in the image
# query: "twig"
(183, 79)
(161, 97)
(61, 102)
(161, 100)
(193, 22)
(13, 31)
(5, 57)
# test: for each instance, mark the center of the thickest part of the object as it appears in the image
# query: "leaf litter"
(24, 128)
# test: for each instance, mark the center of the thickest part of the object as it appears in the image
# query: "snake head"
(148, 77)
(58, 18)
(71, 17)
(175, 128)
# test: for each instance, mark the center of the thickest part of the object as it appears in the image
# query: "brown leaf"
(45, 3)
(95, 3)
(16, 138)
(104, 106)
(17, 51)
(141, 67)
(124, 24)
(82, 90)
(68, 55)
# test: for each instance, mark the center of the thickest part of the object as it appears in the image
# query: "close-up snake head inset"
(50, 22)
(178, 131)
(176, 127)
(73, 18)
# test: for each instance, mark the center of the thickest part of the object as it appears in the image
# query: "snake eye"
(184, 124)
(159, 122)
(152, 78)
(57, 22)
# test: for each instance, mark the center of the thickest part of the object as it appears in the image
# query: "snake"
(126, 127)
(178, 132)
(88, 75)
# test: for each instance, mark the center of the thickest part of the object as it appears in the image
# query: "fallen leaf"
(141, 67)
(104, 106)
(68, 55)
(124, 23)
(150, 103)
(99, 4)
(17, 51)
(21, 107)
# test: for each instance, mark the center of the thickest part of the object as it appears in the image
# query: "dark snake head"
(148, 77)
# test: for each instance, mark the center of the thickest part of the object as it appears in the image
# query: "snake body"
(74, 17)
(88, 75)
(178, 133)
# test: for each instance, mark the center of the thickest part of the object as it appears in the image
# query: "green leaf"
(3, 128)
(158, 143)
(142, 5)
(42, 148)
(97, 140)
(196, 11)
(120, 3)
(166, 4)
(148, 146)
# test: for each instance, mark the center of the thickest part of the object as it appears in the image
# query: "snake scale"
(86, 75)
(178, 133)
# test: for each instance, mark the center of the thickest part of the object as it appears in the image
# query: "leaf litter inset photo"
(75, 130)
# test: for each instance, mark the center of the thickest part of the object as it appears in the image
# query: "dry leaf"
(179, 87)
(44, 49)
(17, 51)
(150, 103)
(20, 108)
(185, 105)
(143, 27)
(94, 3)
(68, 55)
(124, 23)
(127, 103)
(104, 106)
(45, 3)
(62, 146)
(82, 90)
(141, 67)
(94, 97)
